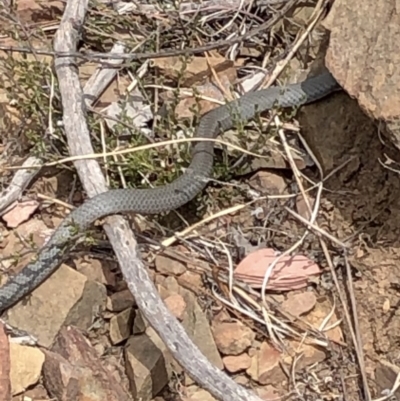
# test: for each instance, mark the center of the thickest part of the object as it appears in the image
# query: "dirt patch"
(362, 204)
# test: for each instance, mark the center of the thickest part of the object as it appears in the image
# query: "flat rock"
(267, 182)
(54, 304)
(148, 365)
(21, 212)
(265, 368)
(317, 317)
(167, 265)
(121, 326)
(232, 338)
(299, 304)
(176, 305)
(169, 283)
(191, 281)
(236, 363)
(120, 301)
(73, 371)
(196, 325)
(310, 355)
(26, 367)
(203, 337)
(140, 324)
(96, 270)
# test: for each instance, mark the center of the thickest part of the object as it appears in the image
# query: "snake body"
(170, 196)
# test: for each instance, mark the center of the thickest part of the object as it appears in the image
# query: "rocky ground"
(327, 328)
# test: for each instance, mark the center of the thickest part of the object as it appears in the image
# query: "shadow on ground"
(362, 203)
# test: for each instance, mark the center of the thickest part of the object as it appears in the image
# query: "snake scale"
(170, 196)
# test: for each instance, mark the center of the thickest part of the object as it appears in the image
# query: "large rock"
(364, 57)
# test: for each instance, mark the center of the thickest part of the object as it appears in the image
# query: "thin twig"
(358, 345)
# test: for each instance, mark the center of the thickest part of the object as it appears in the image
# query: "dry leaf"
(290, 273)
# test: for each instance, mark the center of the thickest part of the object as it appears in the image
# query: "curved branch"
(119, 234)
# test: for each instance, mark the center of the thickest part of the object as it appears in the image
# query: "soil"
(362, 204)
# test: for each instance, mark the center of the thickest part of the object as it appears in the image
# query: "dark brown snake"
(168, 197)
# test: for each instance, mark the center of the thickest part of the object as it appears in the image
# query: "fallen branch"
(117, 230)
(19, 183)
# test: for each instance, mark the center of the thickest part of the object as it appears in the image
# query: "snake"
(167, 197)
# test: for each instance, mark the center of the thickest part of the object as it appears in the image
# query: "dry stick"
(102, 77)
(117, 229)
(19, 183)
(135, 149)
(358, 344)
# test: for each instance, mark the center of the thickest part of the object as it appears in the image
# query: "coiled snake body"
(168, 197)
